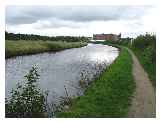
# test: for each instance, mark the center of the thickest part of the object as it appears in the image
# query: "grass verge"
(17, 48)
(149, 67)
(109, 95)
(146, 54)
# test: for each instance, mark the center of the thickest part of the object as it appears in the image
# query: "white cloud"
(57, 23)
(81, 20)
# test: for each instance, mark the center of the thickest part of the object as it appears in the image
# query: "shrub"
(27, 100)
(143, 41)
(144, 47)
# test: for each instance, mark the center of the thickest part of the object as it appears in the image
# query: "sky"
(75, 20)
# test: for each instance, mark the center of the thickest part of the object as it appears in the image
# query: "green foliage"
(27, 37)
(144, 47)
(27, 100)
(109, 95)
(14, 48)
(125, 41)
(143, 41)
(122, 41)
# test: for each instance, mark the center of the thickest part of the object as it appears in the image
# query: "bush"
(27, 101)
(143, 41)
(144, 47)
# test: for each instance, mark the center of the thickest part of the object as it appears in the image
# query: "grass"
(146, 54)
(16, 48)
(109, 95)
(149, 67)
(144, 46)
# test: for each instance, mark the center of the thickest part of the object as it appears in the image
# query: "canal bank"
(60, 70)
(109, 95)
(27, 47)
(144, 99)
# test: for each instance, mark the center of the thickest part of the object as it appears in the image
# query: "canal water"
(60, 70)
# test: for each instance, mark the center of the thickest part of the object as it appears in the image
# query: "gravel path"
(144, 100)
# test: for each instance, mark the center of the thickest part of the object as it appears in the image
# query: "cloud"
(57, 23)
(76, 20)
(31, 14)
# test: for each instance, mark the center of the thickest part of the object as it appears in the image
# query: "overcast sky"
(80, 20)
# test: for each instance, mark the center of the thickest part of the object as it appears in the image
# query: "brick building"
(111, 37)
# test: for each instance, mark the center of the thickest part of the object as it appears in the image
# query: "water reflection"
(60, 69)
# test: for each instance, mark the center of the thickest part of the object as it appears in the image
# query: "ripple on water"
(60, 68)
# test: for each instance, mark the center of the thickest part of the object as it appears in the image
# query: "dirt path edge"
(144, 100)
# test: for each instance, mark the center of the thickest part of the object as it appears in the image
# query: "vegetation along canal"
(61, 71)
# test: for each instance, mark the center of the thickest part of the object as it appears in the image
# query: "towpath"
(144, 99)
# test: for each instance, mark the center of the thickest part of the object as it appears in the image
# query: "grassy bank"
(109, 95)
(149, 67)
(144, 47)
(16, 48)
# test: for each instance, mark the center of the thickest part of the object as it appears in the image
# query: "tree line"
(13, 36)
